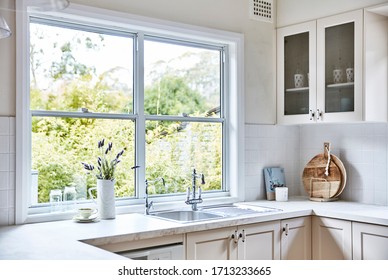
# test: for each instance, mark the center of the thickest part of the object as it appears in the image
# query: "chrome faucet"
(194, 200)
(149, 204)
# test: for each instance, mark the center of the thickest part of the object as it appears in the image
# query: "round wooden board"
(316, 183)
(343, 174)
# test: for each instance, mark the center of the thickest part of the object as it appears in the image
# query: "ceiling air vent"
(261, 10)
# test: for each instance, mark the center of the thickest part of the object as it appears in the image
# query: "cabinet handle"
(286, 229)
(242, 235)
(312, 115)
(319, 114)
(235, 236)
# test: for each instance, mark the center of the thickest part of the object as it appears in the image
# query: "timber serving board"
(324, 176)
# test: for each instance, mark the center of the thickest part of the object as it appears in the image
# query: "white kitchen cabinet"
(376, 63)
(215, 244)
(260, 241)
(296, 52)
(331, 239)
(370, 242)
(296, 239)
(248, 242)
(319, 70)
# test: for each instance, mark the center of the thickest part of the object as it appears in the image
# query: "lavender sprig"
(105, 167)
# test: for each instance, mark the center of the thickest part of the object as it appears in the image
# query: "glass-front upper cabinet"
(339, 72)
(319, 70)
(296, 72)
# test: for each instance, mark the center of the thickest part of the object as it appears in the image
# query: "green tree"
(172, 96)
(59, 145)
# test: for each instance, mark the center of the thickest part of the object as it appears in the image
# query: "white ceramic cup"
(338, 76)
(281, 194)
(299, 80)
(86, 212)
(349, 75)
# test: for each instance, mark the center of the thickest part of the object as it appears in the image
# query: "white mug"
(349, 75)
(299, 80)
(281, 194)
(338, 76)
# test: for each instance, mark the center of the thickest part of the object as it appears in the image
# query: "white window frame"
(232, 102)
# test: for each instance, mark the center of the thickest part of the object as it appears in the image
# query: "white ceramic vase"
(105, 199)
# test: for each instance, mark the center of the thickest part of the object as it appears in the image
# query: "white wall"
(7, 62)
(296, 11)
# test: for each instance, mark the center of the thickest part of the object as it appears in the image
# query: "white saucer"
(91, 219)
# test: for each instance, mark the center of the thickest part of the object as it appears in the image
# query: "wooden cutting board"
(323, 177)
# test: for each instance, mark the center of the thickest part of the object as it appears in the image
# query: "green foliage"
(59, 145)
(172, 96)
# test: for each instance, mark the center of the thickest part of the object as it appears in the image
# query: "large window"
(167, 98)
(81, 91)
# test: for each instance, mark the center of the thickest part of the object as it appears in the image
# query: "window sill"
(127, 209)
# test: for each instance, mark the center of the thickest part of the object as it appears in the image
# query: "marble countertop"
(64, 239)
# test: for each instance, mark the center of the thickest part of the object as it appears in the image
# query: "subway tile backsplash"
(7, 170)
(363, 148)
(270, 146)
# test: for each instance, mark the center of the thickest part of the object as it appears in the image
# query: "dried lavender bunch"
(105, 166)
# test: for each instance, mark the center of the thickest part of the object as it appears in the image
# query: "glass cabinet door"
(296, 73)
(339, 67)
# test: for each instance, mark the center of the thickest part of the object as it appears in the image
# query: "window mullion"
(183, 119)
(139, 110)
(43, 113)
(224, 113)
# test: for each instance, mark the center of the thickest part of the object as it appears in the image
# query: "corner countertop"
(64, 239)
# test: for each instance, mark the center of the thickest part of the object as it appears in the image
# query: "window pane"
(72, 69)
(173, 149)
(181, 80)
(59, 145)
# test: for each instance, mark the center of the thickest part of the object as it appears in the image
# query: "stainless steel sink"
(186, 216)
(211, 212)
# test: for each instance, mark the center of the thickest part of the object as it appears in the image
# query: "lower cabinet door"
(332, 239)
(216, 244)
(259, 241)
(370, 242)
(296, 239)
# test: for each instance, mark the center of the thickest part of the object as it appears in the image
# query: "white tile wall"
(363, 150)
(270, 146)
(7, 170)
(361, 147)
